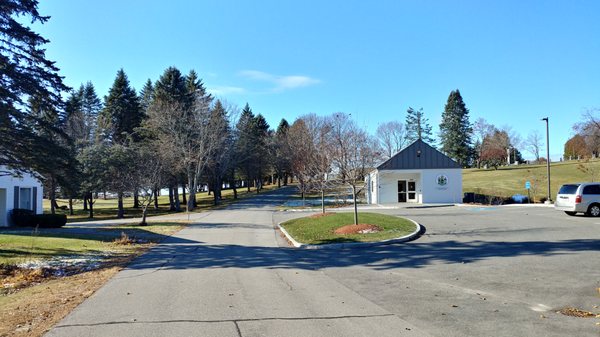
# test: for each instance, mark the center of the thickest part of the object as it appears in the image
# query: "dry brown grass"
(34, 310)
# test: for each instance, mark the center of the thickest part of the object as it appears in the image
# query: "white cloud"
(280, 82)
(225, 90)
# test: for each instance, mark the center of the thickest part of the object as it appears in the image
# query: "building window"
(25, 201)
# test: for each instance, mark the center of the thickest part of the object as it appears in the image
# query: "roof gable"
(418, 155)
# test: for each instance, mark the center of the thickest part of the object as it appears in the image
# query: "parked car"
(579, 198)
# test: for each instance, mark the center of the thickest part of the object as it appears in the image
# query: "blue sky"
(513, 61)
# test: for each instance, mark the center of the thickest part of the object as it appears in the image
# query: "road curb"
(405, 238)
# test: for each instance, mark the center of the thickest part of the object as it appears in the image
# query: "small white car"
(579, 198)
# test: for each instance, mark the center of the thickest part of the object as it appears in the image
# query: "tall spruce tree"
(171, 87)
(172, 100)
(456, 130)
(25, 72)
(261, 135)
(417, 127)
(90, 107)
(146, 96)
(281, 152)
(220, 158)
(245, 145)
(122, 113)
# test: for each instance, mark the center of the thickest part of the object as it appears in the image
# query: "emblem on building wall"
(442, 180)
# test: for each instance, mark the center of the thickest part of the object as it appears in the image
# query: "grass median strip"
(373, 227)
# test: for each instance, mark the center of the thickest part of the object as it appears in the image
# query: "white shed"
(417, 174)
(18, 192)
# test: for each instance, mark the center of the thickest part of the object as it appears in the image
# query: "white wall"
(450, 193)
(26, 181)
(388, 184)
(427, 188)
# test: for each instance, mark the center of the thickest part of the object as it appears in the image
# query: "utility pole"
(549, 200)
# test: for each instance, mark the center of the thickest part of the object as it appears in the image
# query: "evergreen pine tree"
(245, 144)
(417, 127)
(121, 113)
(261, 135)
(456, 130)
(171, 87)
(25, 72)
(146, 96)
(90, 107)
(195, 88)
(281, 152)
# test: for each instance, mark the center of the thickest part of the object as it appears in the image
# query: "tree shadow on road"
(172, 255)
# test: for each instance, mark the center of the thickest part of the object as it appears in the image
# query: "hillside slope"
(507, 181)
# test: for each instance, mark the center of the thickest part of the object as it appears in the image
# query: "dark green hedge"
(26, 218)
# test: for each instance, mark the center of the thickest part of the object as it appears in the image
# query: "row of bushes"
(27, 218)
(470, 197)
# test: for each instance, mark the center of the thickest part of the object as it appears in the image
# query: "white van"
(579, 198)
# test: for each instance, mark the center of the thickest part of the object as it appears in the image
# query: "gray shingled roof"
(418, 155)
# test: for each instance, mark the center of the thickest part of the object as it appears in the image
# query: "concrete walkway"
(226, 276)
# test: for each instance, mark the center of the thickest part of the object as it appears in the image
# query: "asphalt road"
(477, 271)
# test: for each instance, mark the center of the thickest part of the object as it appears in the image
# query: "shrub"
(22, 217)
(26, 218)
(50, 220)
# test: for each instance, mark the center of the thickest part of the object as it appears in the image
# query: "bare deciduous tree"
(354, 154)
(392, 137)
(533, 143)
(186, 132)
(302, 147)
(481, 131)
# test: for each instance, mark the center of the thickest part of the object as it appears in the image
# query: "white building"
(18, 192)
(417, 174)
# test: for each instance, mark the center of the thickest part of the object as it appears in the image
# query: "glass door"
(402, 189)
(412, 191)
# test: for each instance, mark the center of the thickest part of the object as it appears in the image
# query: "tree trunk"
(234, 190)
(156, 198)
(278, 181)
(171, 200)
(184, 198)
(85, 203)
(104, 195)
(355, 206)
(176, 197)
(189, 206)
(285, 179)
(144, 213)
(248, 184)
(323, 201)
(136, 199)
(91, 208)
(71, 206)
(120, 211)
(215, 193)
(52, 195)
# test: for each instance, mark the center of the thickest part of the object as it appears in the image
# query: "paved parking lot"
(482, 271)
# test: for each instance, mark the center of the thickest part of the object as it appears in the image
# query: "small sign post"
(528, 187)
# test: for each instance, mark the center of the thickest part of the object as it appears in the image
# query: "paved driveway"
(476, 272)
(482, 271)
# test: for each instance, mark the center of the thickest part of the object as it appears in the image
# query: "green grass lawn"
(19, 245)
(320, 230)
(507, 181)
(107, 209)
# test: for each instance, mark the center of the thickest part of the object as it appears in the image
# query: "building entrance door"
(407, 191)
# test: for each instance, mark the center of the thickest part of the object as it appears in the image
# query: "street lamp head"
(545, 119)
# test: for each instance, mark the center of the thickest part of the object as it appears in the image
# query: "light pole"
(549, 200)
